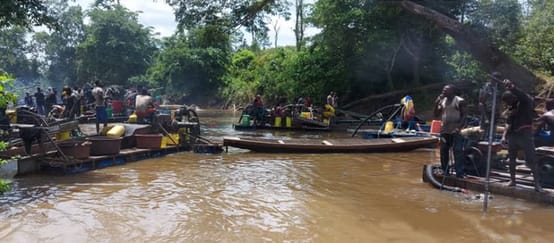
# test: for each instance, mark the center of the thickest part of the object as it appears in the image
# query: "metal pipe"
(492, 132)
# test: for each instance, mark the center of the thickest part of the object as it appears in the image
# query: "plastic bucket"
(435, 126)
(102, 145)
(278, 121)
(117, 106)
(245, 120)
(76, 149)
(109, 111)
(63, 135)
(149, 141)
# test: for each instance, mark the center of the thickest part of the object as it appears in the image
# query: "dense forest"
(363, 48)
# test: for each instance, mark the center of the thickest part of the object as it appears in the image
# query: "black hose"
(428, 170)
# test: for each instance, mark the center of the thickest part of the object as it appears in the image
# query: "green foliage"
(14, 51)
(465, 67)
(60, 46)
(191, 69)
(504, 28)
(280, 73)
(252, 15)
(25, 13)
(241, 83)
(380, 47)
(536, 49)
(6, 97)
(4, 186)
(116, 48)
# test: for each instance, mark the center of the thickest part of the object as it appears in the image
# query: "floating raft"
(498, 184)
(58, 166)
(347, 145)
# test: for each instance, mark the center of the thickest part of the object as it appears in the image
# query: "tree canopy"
(25, 13)
(363, 48)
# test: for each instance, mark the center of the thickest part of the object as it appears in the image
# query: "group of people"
(72, 100)
(144, 107)
(259, 113)
(75, 100)
(518, 133)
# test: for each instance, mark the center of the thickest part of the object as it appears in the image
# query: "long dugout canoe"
(344, 145)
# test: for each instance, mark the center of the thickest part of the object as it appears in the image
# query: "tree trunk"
(299, 24)
(413, 44)
(415, 72)
(479, 46)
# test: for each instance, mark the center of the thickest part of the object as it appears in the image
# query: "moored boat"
(497, 184)
(375, 133)
(345, 145)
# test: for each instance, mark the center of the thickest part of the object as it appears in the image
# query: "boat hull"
(353, 145)
(497, 186)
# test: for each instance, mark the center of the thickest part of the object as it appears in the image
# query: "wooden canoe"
(345, 145)
(239, 127)
(376, 133)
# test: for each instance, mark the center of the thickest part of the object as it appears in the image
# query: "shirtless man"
(547, 119)
(519, 131)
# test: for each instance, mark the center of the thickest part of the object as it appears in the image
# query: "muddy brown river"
(241, 196)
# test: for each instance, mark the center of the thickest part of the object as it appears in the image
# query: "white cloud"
(160, 17)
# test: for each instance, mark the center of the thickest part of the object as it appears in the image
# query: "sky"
(159, 15)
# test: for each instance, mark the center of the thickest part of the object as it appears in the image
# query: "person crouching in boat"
(450, 108)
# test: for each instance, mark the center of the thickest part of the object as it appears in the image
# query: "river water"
(241, 196)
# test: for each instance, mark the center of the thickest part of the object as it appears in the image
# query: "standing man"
(39, 100)
(29, 100)
(78, 96)
(519, 131)
(450, 108)
(101, 114)
(485, 105)
(50, 100)
(331, 99)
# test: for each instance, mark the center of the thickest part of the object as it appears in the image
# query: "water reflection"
(254, 197)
